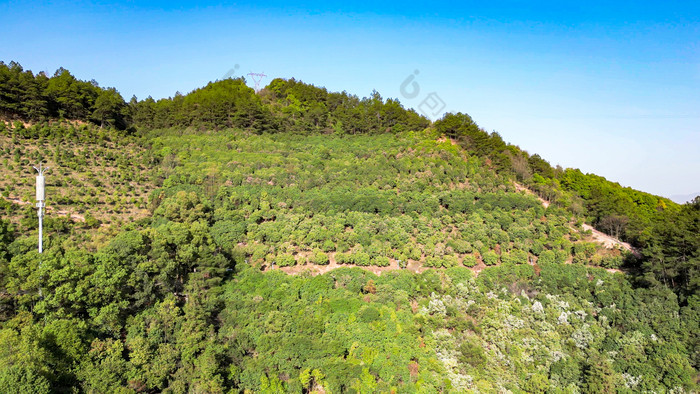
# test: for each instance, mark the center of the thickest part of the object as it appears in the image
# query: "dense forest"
(300, 240)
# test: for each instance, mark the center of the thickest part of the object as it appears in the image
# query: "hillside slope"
(385, 201)
(175, 281)
(183, 289)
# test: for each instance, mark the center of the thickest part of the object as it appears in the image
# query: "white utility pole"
(40, 197)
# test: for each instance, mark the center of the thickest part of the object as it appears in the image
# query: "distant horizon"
(611, 88)
(683, 199)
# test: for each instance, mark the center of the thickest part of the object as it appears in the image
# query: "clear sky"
(610, 87)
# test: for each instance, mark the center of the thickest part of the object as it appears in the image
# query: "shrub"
(450, 261)
(361, 259)
(227, 233)
(490, 258)
(536, 248)
(328, 246)
(579, 249)
(480, 247)
(459, 274)
(257, 252)
(433, 262)
(380, 261)
(343, 258)
(413, 252)
(285, 260)
(515, 257)
(470, 352)
(320, 258)
(561, 256)
(547, 257)
(469, 260)
(370, 287)
(460, 246)
(368, 315)
(611, 261)
(91, 221)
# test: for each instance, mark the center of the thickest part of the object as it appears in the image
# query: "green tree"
(109, 109)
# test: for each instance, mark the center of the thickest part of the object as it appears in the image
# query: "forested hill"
(290, 106)
(173, 225)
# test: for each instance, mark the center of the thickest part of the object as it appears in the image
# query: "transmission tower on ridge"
(257, 78)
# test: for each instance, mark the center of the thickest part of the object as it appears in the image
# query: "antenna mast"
(257, 78)
(40, 197)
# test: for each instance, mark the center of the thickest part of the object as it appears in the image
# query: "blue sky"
(610, 87)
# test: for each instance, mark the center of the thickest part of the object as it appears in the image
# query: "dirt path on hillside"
(315, 269)
(522, 188)
(413, 266)
(608, 241)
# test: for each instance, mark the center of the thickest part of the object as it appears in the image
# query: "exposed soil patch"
(522, 188)
(76, 217)
(314, 269)
(608, 241)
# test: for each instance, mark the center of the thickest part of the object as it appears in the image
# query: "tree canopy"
(300, 240)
